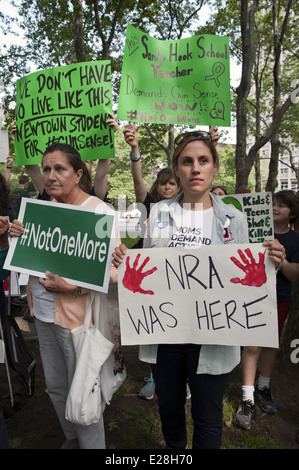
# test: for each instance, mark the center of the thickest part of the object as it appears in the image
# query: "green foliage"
(226, 175)
(56, 30)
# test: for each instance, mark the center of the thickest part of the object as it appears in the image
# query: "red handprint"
(133, 277)
(255, 272)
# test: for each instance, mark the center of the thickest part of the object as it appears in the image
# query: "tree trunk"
(243, 165)
(273, 165)
(277, 78)
(79, 45)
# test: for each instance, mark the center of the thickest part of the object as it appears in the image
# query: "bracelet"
(134, 159)
(78, 291)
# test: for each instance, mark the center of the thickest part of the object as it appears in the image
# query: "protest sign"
(72, 241)
(185, 81)
(68, 104)
(4, 146)
(208, 295)
(258, 209)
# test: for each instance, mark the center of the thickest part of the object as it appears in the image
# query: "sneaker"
(188, 392)
(245, 414)
(266, 400)
(148, 391)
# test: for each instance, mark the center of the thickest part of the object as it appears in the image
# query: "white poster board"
(211, 295)
(4, 146)
(258, 209)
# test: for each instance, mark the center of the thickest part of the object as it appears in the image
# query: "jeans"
(177, 363)
(59, 363)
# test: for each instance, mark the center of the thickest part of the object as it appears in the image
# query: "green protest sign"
(68, 104)
(185, 81)
(72, 241)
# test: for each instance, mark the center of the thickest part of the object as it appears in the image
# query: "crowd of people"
(186, 195)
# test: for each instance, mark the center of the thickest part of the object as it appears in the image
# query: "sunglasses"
(199, 135)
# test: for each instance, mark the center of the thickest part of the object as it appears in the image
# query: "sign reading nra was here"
(223, 295)
(67, 104)
(184, 81)
(74, 242)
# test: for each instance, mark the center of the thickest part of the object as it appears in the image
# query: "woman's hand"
(4, 225)
(131, 136)
(55, 283)
(16, 228)
(118, 254)
(276, 252)
(9, 162)
(112, 122)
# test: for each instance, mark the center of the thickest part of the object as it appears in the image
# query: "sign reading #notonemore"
(71, 241)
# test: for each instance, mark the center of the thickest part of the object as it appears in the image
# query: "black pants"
(175, 365)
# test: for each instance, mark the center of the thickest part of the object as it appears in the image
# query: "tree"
(248, 23)
(65, 31)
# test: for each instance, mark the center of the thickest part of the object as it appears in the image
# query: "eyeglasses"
(199, 135)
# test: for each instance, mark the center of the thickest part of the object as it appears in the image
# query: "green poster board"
(185, 81)
(72, 241)
(68, 104)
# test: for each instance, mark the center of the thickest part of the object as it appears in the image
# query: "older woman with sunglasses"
(195, 163)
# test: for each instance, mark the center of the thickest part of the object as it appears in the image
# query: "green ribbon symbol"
(217, 70)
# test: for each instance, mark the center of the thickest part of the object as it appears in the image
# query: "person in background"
(100, 182)
(285, 212)
(4, 225)
(8, 212)
(59, 306)
(165, 186)
(16, 195)
(206, 367)
(218, 190)
(244, 190)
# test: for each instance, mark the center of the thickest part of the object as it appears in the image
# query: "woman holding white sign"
(60, 307)
(206, 367)
(195, 211)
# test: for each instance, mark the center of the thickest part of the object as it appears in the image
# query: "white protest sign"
(4, 146)
(258, 209)
(210, 295)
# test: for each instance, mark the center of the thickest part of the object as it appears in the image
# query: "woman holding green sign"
(101, 176)
(59, 306)
(194, 210)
